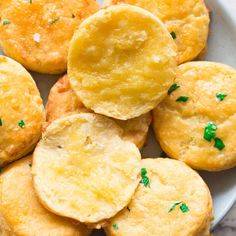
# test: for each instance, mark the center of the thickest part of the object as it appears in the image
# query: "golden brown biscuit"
(37, 33)
(21, 214)
(121, 62)
(187, 21)
(62, 101)
(21, 111)
(201, 130)
(174, 201)
(84, 170)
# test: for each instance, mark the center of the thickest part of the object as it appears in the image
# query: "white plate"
(221, 48)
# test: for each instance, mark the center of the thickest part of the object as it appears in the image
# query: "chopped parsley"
(221, 96)
(30, 164)
(128, 208)
(52, 21)
(30, 1)
(73, 16)
(145, 180)
(173, 34)
(219, 144)
(6, 22)
(174, 206)
(163, 154)
(1, 170)
(115, 226)
(172, 88)
(22, 124)
(1, 122)
(184, 208)
(182, 99)
(209, 132)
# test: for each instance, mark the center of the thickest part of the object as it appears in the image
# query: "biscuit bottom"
(173, 201)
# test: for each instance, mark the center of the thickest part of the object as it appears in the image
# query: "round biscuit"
(180, 126)
(21, 214)
(37, 33)
(62, 101)
(84, 170)
(156, 210)
(187, 21)
(21, 111)
(121, 62)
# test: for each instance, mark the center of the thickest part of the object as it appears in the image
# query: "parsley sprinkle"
(0, 122)
(173, 34)
(219, 144)
(73, 16)
(221, 96)
(145, 180)
(115, 227)
(174, 206)
(163, 154)
(184, 208)
(172, 88)
(6, 22)
(209, 132)
(52, 21)
(182, 99)
(30, 1)
(22, 124)
(30, 164)
(1, 170)
(128, 208)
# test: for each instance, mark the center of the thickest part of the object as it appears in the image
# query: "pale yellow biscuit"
(84, 170)
(180, 126)
(62, 101)
(21, 111)
(21, 213)
(37, 33)
(187, 21)
(177, 203)
(121, 62)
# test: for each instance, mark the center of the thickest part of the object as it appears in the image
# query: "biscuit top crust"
(149, 211)
(21, 111)
(121, 62)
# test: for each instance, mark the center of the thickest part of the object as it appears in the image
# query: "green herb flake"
(163, 154)
(73, 16)
(30, 1)
(182, 99)
(184, 208)
(221, 96)
(128, 209)
(52, 21)
(115, 226)
(173, 34)
(6, 22)
(1, 170)
(1, 123)
(30, 164)
(219, 144)
(145, 180)
(174, 206)
(172, 88)
(209, 131)
(22, 124)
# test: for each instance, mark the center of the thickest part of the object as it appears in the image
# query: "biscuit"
(37, 33)
(176, 202)
(121, 62)
(62, 101)
(187, 21)
(20, 211)
(84, 170)
(21, 111)
(201, 130)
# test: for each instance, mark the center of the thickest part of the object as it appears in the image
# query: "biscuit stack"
(80, 166)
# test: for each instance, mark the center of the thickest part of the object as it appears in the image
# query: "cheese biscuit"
(21, 214)
(37, 33)
(62, 101)
(196, 122)
(121, 62)
(84, 170)
(171, 200)
(21, 111)
(187, 21)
